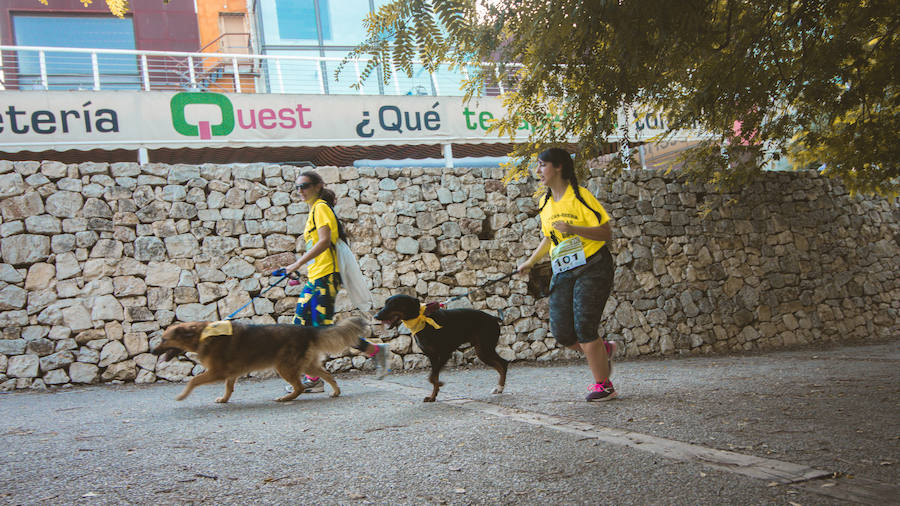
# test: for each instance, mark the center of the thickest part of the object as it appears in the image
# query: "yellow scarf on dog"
(418, 323)
(220, 328)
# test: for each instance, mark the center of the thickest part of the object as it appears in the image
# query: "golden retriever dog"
(229, 350)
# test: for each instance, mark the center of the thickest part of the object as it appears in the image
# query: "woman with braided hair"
(576, 229)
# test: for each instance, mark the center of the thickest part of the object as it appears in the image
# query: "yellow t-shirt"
(570, 210)
(320, 215)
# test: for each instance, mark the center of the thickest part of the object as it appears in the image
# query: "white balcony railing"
(57, 68)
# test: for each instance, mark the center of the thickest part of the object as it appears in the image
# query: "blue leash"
(279, 272)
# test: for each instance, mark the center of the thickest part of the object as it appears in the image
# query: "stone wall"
(98, 258)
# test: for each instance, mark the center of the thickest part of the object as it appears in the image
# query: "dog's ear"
(190, 329)
(410, 307)
(189, 334)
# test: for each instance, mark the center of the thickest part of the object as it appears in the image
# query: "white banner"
(48, 120)
(61, 120)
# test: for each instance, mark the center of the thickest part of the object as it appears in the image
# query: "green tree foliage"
(815, 80)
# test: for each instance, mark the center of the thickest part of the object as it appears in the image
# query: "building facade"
(329, 29)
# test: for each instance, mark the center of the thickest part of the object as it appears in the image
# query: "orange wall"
(208, 17)
(208, 23)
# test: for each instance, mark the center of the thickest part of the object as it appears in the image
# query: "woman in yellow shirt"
(576, 229)
(315, 305)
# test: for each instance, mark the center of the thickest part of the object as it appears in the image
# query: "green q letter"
(181, 125)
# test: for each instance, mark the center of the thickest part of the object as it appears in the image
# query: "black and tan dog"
(229, 350)
(440, 332)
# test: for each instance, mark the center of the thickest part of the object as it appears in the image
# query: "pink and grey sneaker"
(601, 392)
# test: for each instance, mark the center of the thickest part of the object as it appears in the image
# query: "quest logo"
(228, 117)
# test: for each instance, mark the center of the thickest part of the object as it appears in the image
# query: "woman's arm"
(323, 244)
(539, 252)
(601, 233)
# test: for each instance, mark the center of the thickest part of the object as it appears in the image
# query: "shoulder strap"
(341, 235)
(581, 199)
(340, 226)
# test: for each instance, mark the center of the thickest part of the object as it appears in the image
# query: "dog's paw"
(222, 400)
(429, 399)
(335, 393)
(181, 397)
(497, 390)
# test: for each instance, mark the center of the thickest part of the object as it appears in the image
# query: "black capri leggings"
(577, 299)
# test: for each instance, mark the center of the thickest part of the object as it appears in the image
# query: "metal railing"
(58, 68)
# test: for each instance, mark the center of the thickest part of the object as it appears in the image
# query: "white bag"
(352, 277)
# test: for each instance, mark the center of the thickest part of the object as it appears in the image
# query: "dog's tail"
(339, 337)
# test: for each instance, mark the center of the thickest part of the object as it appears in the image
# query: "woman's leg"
(562, 319)
(590, 294)
(305, 302)
(597, 359)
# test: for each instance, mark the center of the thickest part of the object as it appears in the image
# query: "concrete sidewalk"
(805, 427)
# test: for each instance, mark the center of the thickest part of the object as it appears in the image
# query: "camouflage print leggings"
(315, 306)
(577, 299)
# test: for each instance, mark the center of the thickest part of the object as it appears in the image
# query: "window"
(342, 21)
(71, 70)
(297, 20)
(234, 33)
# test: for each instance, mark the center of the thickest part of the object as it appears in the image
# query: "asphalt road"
(685, 431)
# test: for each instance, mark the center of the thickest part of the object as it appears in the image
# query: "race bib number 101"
(567, 255)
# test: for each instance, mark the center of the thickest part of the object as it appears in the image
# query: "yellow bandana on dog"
(219, 328)
(418, 323)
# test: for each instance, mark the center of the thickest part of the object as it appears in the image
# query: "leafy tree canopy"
(815, 80)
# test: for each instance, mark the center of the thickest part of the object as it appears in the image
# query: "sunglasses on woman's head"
(303, 186)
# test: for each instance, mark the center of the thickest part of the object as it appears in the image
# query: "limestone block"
(209, 292)
(22, 366)
(22, 207)
(11, 185)
(197, 312)
(87, 355)
(12, 346)
(162, 274)
(112, 352)
(121, 371)
(56, 360)
(144, 376)
(149, 248)
(124, 286)
(40, 347)
(24, 249)
(56, 377)
(84, 373)
(9, 274)
(12, 297)
(174, 370)
(96, 208)
(107, 307)
(43, 224)
(76, 317)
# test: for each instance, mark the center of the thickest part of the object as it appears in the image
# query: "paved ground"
(775, 418)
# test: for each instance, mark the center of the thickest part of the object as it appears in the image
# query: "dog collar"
(219, 328)
(418, 323)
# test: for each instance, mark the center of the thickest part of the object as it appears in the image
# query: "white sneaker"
(381, 358)
(310, 386)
